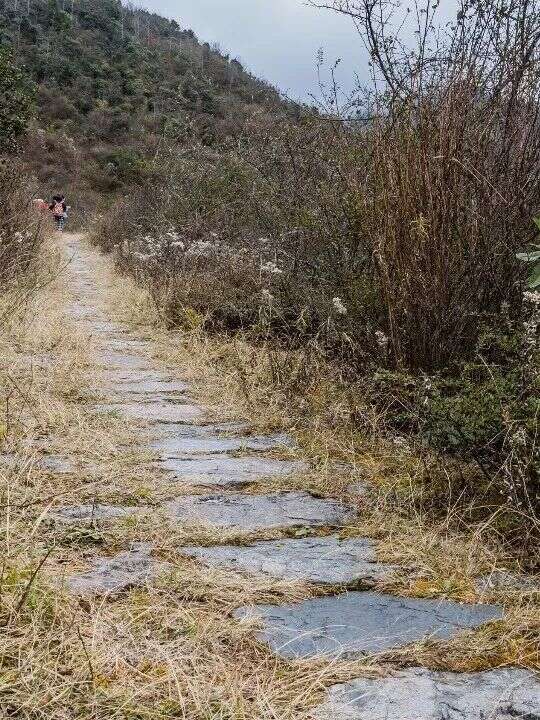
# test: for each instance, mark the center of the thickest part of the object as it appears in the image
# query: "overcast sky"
(277, 40)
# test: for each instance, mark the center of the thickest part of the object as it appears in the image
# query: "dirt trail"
(186, 559)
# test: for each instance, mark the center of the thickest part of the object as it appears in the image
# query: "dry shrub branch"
(379, 240)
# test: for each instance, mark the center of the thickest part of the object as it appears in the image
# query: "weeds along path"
(165, 560)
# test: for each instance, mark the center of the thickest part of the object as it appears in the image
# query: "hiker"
(59, 209)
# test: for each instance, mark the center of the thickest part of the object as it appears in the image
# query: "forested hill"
(114, 81)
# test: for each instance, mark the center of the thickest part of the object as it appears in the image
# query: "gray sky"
(277, 40)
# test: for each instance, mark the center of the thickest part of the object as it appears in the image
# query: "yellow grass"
(172, 649)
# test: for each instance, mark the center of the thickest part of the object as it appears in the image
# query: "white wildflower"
(200, 249)
(531, 332)
(267, 295)
(142, 257)
(338, 306)
(272, 268)
(402, 443)
(172, 235)
(518, 438)
(382, 339)
(532, 297)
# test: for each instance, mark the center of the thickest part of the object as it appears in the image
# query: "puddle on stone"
(259, 512)
(317, 560)
(122, 572)
(90, 513)
(356, 623)
(206, 439)
(419, 694)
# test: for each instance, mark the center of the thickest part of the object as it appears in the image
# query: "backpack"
(58, 209)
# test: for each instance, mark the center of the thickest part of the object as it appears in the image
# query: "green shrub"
(124, 166)
(16, 101)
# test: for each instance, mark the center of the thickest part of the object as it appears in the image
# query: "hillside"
(113, 81)
(269, 406)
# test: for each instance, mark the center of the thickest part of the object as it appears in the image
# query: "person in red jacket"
(58, 208)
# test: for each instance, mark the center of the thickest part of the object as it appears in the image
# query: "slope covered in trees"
(113, 82)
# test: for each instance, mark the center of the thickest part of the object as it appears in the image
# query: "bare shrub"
(20, 227)
(453, 178)
(411, 218)
(381, 239)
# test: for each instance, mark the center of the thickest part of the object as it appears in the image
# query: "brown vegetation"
(20, 235)
(379, 248)
(170, 648)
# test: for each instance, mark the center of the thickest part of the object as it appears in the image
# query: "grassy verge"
(440, 554)
(172, 649)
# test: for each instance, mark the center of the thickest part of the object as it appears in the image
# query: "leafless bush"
(382, 236)
(412, 218)
(20, 231)
(454, 170)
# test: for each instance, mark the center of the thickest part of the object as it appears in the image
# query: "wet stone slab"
(317, 560)
(110, 576)
(501, 580)
(79, 311)
(246, 513)
(94, 513)
(135, 385)
(121, 377)
(419, 694)
(51, 463)
(225, 471)
(57, 464)
(40, 360)
(356, 623)
(154, 412)
(123, 361)
(208, 439)
(107, 327)
(126, 345)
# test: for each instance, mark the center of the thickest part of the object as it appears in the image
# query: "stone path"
(321, 560)
(356, 623)
(419, 694)
(196, 454)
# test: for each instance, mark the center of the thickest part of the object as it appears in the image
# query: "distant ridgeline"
(114, 81)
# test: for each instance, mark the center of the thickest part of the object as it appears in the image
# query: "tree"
(17, 94)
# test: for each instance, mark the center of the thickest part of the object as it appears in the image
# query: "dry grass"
(438, 557)
(171, 649)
